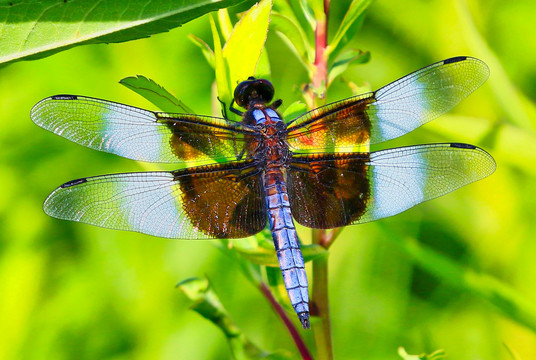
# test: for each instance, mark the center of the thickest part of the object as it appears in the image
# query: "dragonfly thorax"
(272, 146)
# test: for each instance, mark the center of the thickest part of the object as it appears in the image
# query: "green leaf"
(260, 255)
(511, 352)
(295, 38)
(348, 28)
(205, 49)
(313, 251)
(226, 26)
(277, 286)
(251, 271)
(349, 57)
(308, 13)
(244, 47)
(156, 94)
(292, 10)
(265, 254)
(206, 303)
(239, 57)
(273, 275)
(35, 29)
(160, 97)
(316, 7)
(263, 70)
(222, 75)
(504, 297)
(294, 110)
(436, 355)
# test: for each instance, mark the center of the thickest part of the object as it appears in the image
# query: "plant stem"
(320, 75)
(328, 238)
(315, 98)
(319, 298)
(300, 344)
(320, 301)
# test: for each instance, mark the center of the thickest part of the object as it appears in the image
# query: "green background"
(72, 291)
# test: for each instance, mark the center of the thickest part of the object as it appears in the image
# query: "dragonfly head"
(253, 91)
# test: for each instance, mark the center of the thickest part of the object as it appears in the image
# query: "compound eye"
(241, 92)
(253, 90)
(265, 89)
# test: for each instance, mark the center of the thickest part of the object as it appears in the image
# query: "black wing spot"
(462, 146)
(73, 183)
(64, 97)
(454, 59)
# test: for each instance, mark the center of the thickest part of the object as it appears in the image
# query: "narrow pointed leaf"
(266, 256)
(244, 47)
(294, 110)
(225, 23)
(206, 303)
(294, 36)
(308, 13)
(156, 94)
(277, 287)
(511, 352)
(313, 251)
(316, 7)
(205, 49)
(35, 29)
(221, 70)
(505, 298)
(348, 28)
(347, 58)
(251, 271)
(263, 69)
(436, 355)
(292, 10)
(259, 255)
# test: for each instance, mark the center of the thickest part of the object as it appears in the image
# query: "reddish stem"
(320, 299)
(328, 238)
(300, 344)
(321, 42)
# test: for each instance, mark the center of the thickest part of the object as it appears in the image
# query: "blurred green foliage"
(72, 291)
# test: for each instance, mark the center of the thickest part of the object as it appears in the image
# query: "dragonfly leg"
(276, 104)
(223, 109)
(235, 110)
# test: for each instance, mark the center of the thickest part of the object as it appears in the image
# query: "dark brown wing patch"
(328, 190)
(224, 201)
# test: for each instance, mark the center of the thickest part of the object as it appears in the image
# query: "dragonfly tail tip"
(304, 318)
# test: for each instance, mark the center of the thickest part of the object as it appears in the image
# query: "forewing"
(217, 201)
(140, 134)
(391, 111)
(332, 190)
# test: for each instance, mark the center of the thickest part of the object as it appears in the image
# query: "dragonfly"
(237, 178)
